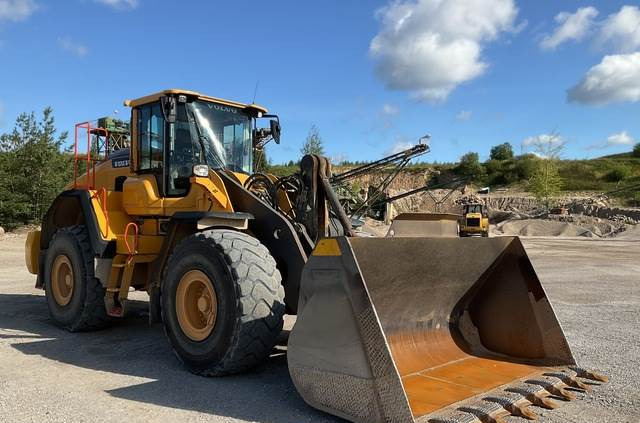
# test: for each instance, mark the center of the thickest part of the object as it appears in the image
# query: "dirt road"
(128, 373)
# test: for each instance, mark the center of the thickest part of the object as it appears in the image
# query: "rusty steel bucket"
(428, 330)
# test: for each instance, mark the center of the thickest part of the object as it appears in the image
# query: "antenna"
(255, 92)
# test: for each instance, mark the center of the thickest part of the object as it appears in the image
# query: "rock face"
(1, 231)
(628, 215)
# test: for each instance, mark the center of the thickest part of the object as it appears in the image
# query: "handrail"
(90, 181)
(131, 251)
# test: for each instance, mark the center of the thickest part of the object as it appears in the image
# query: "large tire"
(75, 298)
(248, 296)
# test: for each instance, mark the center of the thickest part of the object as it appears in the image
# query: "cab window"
(183, 153)
(150, 136)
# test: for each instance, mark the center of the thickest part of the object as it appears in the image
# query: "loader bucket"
(427, 330)
(420, 225)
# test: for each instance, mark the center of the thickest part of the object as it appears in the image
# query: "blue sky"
(373, 76)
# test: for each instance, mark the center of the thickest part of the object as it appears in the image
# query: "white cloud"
(429, 47)
(571, 27)
(615, 79)
(614, 140)
(621, 138)
(68, 44)
(620, 32)
(390, 110)
(16, 10)
(401, 143)
(120, 4)
(464, 115)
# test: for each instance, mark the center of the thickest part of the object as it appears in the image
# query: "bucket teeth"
(514, 403)
(534, 394)
(589, 374)
(554, 386)
(569, 380)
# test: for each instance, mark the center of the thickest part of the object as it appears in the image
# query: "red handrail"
(131, 251)
(90, 181)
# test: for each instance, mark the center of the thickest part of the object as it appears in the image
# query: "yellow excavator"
(395, 329)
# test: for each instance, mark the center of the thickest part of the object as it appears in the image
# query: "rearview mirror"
(275, 130)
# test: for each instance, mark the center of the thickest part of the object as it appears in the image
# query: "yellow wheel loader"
(395, 329)
(475, 220)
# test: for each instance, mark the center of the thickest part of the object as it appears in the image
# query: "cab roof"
(154, 97)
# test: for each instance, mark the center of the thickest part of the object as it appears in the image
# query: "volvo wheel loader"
(396, 329)
(475, 220)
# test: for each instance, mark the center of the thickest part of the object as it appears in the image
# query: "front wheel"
(222, 302)
(74, 296)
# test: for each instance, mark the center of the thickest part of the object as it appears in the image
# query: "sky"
(373, 76)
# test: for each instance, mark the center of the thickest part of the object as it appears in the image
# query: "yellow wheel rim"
(62, 280)
(196, 305)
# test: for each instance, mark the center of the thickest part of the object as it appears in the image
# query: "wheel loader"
(395, 329)
(475, 220)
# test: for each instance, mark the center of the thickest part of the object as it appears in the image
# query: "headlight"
(201, 170)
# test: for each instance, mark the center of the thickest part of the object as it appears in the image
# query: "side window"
(150, 136)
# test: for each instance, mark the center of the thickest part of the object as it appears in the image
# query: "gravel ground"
(127, 373)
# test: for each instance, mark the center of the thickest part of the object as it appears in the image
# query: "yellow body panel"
(32, 251)
(327, 247)
(115, 219)
(141, 197)
(484, 223)
(146, 244)
(241, 177)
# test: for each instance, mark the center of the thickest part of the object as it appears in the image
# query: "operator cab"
(177, 131)
(476, 208)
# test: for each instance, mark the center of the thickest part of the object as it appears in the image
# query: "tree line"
(34, 168)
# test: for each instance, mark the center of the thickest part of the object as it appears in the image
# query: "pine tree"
(33, 168)
(313, 143)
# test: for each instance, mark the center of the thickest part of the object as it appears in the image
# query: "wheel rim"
(196, 305)
(62, 280)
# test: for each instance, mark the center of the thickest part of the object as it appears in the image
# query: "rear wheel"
(75, 298)
(222, 302)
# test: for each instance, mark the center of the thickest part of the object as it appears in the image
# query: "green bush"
(470, 166)
(579, 175)
(636, 150)
(618, 173)
(501, 152)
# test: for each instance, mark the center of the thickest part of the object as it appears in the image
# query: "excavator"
(392, 329)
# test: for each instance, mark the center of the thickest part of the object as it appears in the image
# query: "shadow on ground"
(132, 347)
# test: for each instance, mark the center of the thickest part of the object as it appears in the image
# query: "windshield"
(475, 208)
(226, 132)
